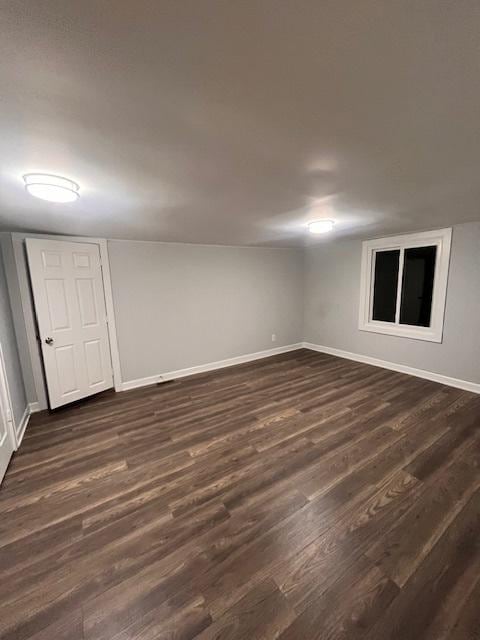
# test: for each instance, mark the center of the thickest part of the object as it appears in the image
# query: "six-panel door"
(69, 300)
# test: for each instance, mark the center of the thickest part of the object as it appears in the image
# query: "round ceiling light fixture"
(321, 226)
(51, 188)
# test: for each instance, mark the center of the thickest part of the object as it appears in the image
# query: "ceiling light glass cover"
(321, 226)
(51, 188)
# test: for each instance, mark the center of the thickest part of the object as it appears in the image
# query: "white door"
(69, 300)
(7, 444)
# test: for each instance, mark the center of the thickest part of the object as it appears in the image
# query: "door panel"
(70, 304)
(57, 304)
(95, 368)
(66, 370)
(87, 302)
(81, 260)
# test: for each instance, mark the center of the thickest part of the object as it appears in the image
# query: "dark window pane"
(417, 286)
(385, 285)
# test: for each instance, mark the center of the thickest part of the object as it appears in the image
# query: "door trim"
(7, 403)
(29, 315)
(112, 329)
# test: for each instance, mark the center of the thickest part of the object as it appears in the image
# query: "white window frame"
(440, 238)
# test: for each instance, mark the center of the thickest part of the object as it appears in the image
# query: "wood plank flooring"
(298, 497)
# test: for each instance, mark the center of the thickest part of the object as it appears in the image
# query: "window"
(404, 285)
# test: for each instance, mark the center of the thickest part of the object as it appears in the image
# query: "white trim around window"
(441, 239)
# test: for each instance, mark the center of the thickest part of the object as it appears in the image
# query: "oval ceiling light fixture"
(51, 188)
(321, 226)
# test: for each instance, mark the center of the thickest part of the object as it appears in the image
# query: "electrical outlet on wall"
(274, 337)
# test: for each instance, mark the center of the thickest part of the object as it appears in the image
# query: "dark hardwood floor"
(297, 497)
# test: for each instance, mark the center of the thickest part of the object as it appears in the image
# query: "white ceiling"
(237, 122)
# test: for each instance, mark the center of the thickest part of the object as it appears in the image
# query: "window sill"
(404, 331)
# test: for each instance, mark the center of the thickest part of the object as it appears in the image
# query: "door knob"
(49, 340)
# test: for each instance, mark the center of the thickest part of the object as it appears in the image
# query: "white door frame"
(6, 400)
(29, 311)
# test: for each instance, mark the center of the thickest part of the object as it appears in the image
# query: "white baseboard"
(20, 429)
(419, 373)
(34, 407)
(211, 366)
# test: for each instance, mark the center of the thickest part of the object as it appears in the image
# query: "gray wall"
(180, 305)
(332, 288)
(10, 351)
